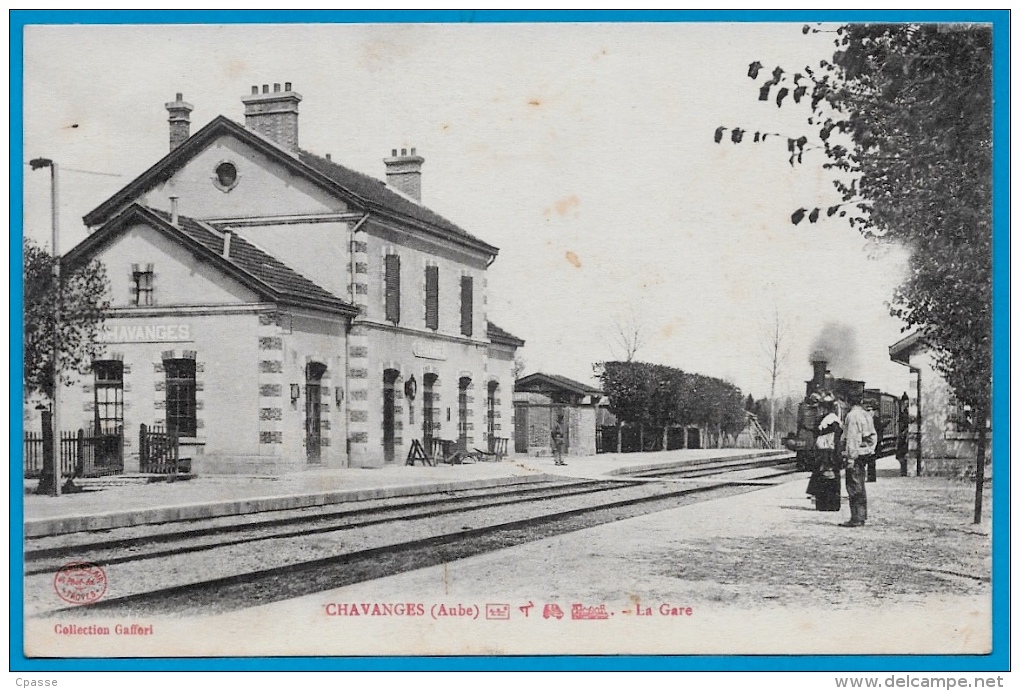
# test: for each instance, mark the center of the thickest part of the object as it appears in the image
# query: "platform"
(115, 505)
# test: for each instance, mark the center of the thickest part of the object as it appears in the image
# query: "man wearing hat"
(557, 440)
(860, 439)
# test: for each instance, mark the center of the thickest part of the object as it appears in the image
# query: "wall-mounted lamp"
(410, 388)
(295, 392)
(339, 395)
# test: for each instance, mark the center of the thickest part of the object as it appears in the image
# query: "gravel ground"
(754, 551)
(762, 573)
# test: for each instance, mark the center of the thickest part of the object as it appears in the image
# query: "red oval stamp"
(80, 583)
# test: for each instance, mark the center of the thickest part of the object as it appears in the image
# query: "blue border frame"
(997, 660)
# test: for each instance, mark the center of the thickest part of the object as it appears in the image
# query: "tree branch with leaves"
(83, 302)
(903, 113)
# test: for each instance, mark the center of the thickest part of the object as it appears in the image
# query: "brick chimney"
(403, 172)
(273, 114)
(180, 121)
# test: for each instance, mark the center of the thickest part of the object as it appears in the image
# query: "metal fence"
(608, 438)
(158, 451)
(81, 454)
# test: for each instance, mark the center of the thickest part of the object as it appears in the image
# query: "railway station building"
(278, 310)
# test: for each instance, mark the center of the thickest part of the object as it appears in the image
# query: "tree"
(625, 386)
(720, 407)
(519, 366)
(627, 335)
(787, 417)
(775, 352)
(903, 113)
(661, 397)
(83, 301)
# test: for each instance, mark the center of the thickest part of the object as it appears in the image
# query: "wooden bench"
(459, 453)
(439, 450)
(455, 453)
(499, 450)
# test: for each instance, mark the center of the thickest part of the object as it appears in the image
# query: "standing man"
(902, 430)
(860, 441)
(557, 440)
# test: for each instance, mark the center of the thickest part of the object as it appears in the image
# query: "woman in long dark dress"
(827, 454)
(813, 463)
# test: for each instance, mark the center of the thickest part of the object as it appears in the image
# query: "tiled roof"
(246, 263)
(255, 262)
(498, 335)
(901, 349)
(359, 189)
(376, 191)
(560, 382)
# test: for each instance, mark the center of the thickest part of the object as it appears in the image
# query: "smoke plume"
(839, 344)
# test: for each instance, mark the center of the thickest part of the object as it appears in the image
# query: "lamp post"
(36, 164)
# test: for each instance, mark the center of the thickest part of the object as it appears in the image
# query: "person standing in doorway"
(860, 439)
(902, 430)
(557, 440)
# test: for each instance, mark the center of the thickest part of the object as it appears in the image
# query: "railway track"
(276, 557)
(707, 468)
(298, 523)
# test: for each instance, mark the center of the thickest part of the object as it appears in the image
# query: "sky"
(585, 152)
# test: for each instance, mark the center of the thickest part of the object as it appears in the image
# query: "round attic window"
(226, 175)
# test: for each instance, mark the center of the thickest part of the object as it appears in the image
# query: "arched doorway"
(313, 411)
(390, 377)
(428, 411)
(462, 411)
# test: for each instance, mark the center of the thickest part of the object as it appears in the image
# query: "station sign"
(429, 350)
(145, 333)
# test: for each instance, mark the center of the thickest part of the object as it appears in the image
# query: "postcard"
(485, 339)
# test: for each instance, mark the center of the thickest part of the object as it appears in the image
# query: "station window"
(467, 314)
(393, 288)
(180, 397)
(109, 396)
(432, 297)
(142, 285)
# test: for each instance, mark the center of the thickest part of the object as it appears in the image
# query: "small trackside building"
(540, 400)
(941, 433)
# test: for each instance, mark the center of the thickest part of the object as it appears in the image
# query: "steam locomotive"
(886, 409)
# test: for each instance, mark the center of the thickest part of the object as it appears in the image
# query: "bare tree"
(627, 335)
(775, 352)
(518, 367)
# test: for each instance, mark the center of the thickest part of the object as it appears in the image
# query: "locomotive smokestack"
(820, 365)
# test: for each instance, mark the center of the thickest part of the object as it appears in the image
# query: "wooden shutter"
(393, 288)
(432, 297)
(466, 305)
